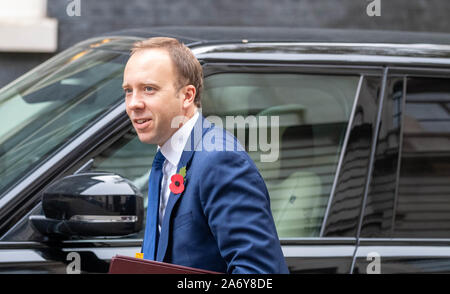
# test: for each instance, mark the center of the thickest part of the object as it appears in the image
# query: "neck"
(188, 115)
(181, 121)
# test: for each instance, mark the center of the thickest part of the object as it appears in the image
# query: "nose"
(134, 102)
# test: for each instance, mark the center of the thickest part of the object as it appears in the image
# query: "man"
(208, 207)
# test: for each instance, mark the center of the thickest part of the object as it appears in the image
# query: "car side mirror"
(90, 204)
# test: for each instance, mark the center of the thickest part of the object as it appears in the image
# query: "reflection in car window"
(423, 200)
(313, 112)
(345, 206)
(46, 108)
(378, 213)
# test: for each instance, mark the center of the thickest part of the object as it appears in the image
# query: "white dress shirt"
(172, 151)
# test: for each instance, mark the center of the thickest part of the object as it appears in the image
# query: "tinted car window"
(423, 204)
(299, 165)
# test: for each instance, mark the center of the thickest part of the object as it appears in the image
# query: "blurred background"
(31, 31)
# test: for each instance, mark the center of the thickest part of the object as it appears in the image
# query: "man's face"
(152, 100)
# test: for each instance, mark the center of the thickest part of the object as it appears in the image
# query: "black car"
(358, 167)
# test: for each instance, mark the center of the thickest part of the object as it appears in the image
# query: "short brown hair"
(189, 70)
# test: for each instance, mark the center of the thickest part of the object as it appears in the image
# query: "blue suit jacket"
(222, 220)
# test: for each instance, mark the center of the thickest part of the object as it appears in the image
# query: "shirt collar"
(173, 148)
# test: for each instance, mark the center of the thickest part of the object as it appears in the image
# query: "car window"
(302, 119)
(48, 107)
(423, 200)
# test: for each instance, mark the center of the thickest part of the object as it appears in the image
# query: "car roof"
(196, 35)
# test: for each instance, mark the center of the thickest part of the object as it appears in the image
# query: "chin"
(146, 138)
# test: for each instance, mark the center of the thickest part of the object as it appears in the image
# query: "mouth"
(142, 123)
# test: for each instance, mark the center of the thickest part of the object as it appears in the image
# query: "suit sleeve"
(236, 204)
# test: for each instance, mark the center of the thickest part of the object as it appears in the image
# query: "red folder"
(129, 265)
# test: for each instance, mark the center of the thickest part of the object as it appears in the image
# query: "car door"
(405, 228)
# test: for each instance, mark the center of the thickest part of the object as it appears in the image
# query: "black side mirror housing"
(90, 204)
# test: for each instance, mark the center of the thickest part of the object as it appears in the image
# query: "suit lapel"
(200, 128)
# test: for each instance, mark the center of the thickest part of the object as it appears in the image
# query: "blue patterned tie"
(151, 228)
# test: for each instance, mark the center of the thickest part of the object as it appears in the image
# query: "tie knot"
(159, 159)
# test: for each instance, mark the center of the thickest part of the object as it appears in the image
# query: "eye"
(127, 90)
(148, 88)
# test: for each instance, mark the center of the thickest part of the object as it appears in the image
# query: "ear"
(188, 94)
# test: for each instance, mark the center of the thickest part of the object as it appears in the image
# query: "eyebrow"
(148, 83)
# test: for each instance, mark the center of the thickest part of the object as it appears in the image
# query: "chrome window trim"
(214, 52)
(203, 49)
(317, 241)
(415, 251)
(315, 251)
(105, 218)
(106, 253)
(366, 239)
(415, 71)
(323, 58)
(116, 241)
(26, 255)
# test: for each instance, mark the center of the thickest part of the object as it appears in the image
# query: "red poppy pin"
(177, 181)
